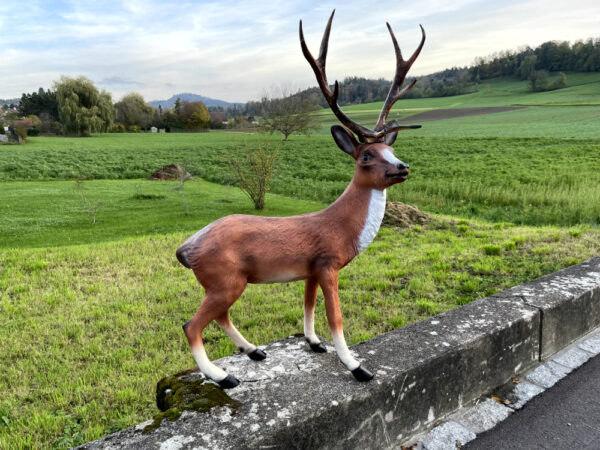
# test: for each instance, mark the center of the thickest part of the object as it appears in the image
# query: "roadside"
(566, 416)
(556, 405)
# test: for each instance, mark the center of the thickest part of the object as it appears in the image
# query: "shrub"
(117, 128)
(254, 168)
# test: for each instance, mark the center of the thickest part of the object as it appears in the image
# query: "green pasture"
(525, 180)
(49, 214)
(542, 117)
(91, 314)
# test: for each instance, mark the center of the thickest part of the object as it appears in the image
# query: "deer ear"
(390, 138)
(344, 140)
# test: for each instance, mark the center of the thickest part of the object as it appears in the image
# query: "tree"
(287, 115)
(82, 109)
(253, 169)
(132, 110)
(38, 103)
(194, 115)
(559, 83)
(527, 67)
(538, 81)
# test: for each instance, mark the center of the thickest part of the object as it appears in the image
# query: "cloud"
(235, 50)
(118, 81)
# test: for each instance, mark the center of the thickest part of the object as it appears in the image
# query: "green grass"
(45, 214)
(530, 180)
(88, 330)
(580, 119)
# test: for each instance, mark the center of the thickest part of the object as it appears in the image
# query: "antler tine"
(318, 67)
(325, 43)
(396, 90)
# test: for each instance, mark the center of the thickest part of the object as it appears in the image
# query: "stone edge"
(466, 424)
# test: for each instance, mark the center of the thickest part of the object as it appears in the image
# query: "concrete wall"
(424, 372)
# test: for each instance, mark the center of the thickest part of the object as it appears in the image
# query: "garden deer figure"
(236, 250)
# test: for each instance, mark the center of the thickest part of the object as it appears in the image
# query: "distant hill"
(193, 98)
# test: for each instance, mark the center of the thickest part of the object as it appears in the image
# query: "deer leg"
(242, 344)
(216, 303)
(310, 300)
(329, 285)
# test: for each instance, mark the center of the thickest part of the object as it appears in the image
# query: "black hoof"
(362, 374)
(257, 355)
(318, 347)
(228, 382)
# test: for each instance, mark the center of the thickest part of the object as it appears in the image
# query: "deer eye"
(366, 157)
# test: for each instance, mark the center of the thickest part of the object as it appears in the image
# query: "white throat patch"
(374, 218)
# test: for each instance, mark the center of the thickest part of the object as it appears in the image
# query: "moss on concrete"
(178, 393)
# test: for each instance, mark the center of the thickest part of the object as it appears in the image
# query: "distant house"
(25, 123)
(218, 117)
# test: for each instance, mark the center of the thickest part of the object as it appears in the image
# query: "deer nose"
(403, 166)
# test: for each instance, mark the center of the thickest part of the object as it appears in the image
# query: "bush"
(253, 168)
(21, 131)
(117, 128)
(134, 128)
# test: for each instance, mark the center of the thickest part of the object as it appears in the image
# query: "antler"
(382, 128)
(402, 68)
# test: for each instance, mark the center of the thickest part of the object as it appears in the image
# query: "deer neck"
(359, 211)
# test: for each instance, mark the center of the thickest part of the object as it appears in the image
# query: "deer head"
(375, 160)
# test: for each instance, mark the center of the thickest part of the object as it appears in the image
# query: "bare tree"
(253, 169)
(288, 114)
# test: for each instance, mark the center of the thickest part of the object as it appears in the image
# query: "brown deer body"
(236, 250)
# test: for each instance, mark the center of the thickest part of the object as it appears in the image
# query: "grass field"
(570, 112)
(90, 314)
(48, 214)
(532, 180)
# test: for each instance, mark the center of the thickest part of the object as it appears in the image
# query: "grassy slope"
(582, 93)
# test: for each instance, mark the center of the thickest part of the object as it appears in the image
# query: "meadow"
(90, 314)
(524, 180)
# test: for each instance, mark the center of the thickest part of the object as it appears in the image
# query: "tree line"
(529, 64)
(75, 107)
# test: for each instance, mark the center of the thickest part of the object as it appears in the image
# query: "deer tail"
(182, 256)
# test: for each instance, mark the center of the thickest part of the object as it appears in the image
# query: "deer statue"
(236, 250)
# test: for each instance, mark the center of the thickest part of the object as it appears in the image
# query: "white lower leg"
(206, 367)
(237, 338)
(309, 326)
(343, 352)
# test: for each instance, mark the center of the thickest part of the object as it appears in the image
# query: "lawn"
(49, 214)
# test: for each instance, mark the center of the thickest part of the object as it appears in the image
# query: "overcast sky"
(236, 50)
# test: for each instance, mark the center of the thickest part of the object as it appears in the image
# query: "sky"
(240, 50)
